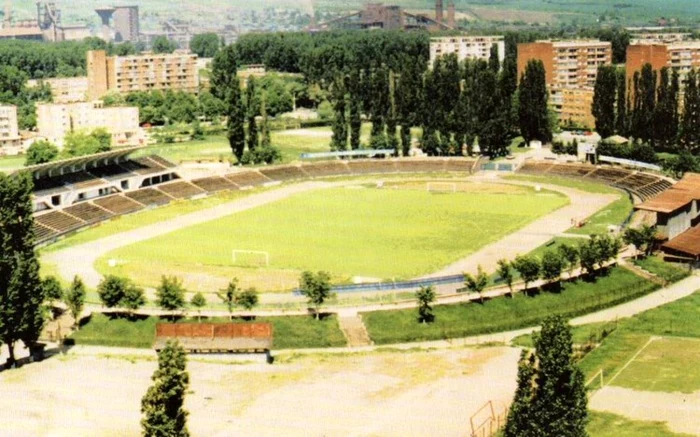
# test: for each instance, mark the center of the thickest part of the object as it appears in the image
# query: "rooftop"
(676, 197)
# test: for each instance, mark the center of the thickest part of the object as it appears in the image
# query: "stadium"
(382, 228)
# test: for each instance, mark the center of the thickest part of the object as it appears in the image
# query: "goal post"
(441, 187)
(250, 257)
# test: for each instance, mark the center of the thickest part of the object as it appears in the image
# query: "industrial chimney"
(438, 11)
(451, 14)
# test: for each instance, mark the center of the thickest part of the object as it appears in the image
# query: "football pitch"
(353, 231)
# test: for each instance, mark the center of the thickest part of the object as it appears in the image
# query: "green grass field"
(677, 319)
(612, 425)
(667, 271)
(503, 314)
(356, 231)
(289, 332)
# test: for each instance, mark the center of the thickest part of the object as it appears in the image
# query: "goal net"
(442, 187)
(250, 258)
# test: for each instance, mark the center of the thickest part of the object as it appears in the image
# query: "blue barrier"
(388, 286)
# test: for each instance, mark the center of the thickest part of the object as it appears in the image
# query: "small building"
(678, 216)
(65, 89)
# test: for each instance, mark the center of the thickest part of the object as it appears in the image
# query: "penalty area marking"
(239, 252)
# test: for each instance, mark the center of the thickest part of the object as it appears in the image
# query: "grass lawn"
(10, 163)
(289, 332)
(668, 271)
(502, 314)
(588, 187)
(663, 366)
(613, 425)
(582, 335)
(354, 231)
(676, 319)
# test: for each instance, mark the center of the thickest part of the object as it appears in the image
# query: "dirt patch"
(679, 410)
(368, 394)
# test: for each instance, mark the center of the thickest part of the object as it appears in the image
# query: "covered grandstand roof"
(80, 163)
(688, 242)
(676, 197)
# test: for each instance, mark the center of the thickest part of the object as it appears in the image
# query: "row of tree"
(649, 108)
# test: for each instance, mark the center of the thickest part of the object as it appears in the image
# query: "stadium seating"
(142, 166)
(284, 173)
(422, 165)
(149, 196)
(648, 191)
(180, 189)
(609, 175)
(88, 212)
(42, 233)
(535, 167)
(59, 221)
(463, 165)
(372, 166)
(161, 161)
(111, 172)
(247, 178)
(571, 170)
(118, 204)
(327, 168)
(214, 183)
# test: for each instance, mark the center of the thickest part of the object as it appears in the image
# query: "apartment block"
(569, 65)
(65, 90)
(467, 47)
(126, 23)
(658, 38)
(124, 74)
(10, 140)
(681, 56)
(55, 121)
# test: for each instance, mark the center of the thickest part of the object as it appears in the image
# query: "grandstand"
(74, 193)
(643, 186)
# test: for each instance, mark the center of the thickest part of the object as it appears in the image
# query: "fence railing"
(488, 420)
(401, 285)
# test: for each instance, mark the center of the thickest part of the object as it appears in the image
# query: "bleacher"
(609, 175)
(161, 161)
(326, 168)
(535, 167)
(143, 166)
(571, 170)
(652, 190)
(284, 173)
(88, 212)
(118, 204)
(111, 172)
(180, 189)
(420, 166)
(372, 166)
(247, 178)
(42, 233)
(214, 184)
(149, 197)
(59, 221)
(459, 165)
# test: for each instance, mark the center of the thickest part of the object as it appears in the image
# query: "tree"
(528, 267)
(518, 422)
(604, 95)
(252, 111)
(265, 140)
(339, 141)
(642, 238)
(228, 296)
(75, 299)
(425, 296)
(247, 299)
(134, 298)
(552, 266)
(477, 284)
(532, 104)
(689, 136)
(104, 139)
(198, 301)
(589, 256)
(506, 273)
(316, 288)
(52, 288)
(21, 288)
(170, 293)
(644, 104)
(205, 45)
(551, 397)
(494, 61)
(40, 152)
(111, 290)
(163, 404)
(161, 44)
(235, 130)
(570, 256)
(666, 110)
(621, 121)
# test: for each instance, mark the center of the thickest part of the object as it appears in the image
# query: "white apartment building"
(65, 90)
(10, 140)
(467, 47)
(54, 121)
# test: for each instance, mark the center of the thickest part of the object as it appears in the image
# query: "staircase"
(354, 330)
